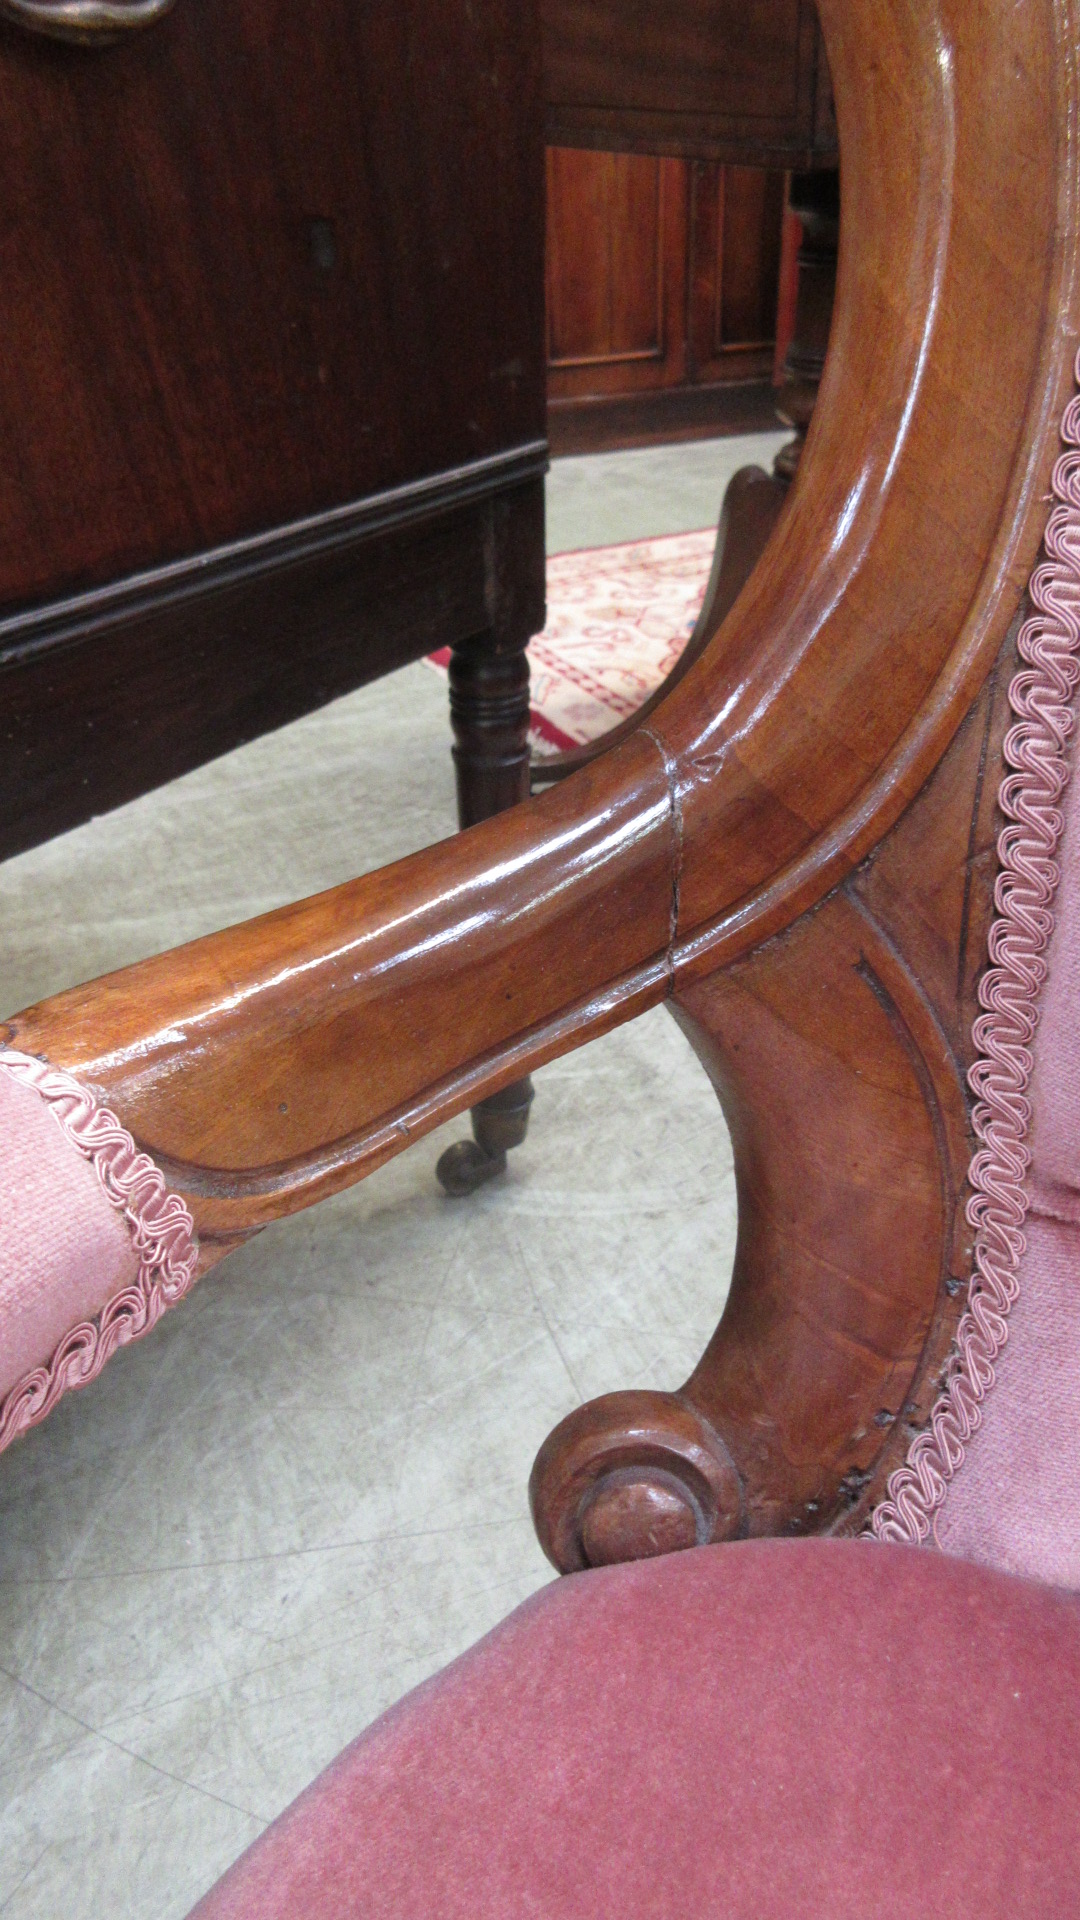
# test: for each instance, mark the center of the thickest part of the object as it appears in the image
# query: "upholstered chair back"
(996, 1477)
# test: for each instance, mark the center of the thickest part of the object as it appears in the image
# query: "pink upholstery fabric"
(93, 1246)
(64, 1250)
(778, 1730)
(1016, 1501)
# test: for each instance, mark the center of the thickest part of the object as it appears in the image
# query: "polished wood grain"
(702, 78)
(659, 273)
(109, 693)
(270, 355)
(736, 219)
(615, 270)
(215, 230)
(796, 850)
(838, 1052)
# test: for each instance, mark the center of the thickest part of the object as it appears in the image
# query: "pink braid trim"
(1035, 748)
(162, 1231)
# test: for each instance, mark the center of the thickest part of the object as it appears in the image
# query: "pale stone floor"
(306, 1490)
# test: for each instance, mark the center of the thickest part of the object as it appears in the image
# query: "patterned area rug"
(618, 619)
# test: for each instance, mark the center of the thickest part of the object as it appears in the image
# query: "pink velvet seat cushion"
(64, 1249)
(832, 1729)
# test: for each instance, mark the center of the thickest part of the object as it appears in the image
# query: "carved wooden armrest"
(796, 852)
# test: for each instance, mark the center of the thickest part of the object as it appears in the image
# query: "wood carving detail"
(838, 1051)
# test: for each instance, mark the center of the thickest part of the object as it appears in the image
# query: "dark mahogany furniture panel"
(738, 80)
(271, 382)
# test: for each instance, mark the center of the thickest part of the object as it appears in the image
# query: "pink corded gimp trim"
(1035, 751)
(161, 1228)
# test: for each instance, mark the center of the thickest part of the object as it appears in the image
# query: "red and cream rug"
(618, 619)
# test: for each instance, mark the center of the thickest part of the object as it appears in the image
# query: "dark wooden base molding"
(600, 425)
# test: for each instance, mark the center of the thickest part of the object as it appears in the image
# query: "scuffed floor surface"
(306, 1490)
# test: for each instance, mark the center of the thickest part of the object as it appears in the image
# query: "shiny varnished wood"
(214, 230)
(660, 275)
(271, 373)
(697, 77)
(838, 1051)
(796, 850)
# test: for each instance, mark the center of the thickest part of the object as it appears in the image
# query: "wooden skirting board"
(650, 419)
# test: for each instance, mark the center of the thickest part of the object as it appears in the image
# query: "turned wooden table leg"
(489, 712)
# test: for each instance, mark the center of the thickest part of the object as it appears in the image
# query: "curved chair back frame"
(796, 852)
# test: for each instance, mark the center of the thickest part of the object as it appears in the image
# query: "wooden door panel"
(605, 258)
(636, 272)
(736, 227)
(616, 271)
(660, 273)
(750, 257)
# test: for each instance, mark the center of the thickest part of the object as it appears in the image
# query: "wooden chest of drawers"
(271, 376)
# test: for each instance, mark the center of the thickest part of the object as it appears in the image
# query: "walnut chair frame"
(796, 853)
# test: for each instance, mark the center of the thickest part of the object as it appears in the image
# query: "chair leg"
(750, 510)
(489, 713)
(498, 1123)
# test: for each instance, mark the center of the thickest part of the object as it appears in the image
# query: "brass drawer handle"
(92, 22)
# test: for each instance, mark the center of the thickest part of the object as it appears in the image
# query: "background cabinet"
(271, 384)
(662, 283)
